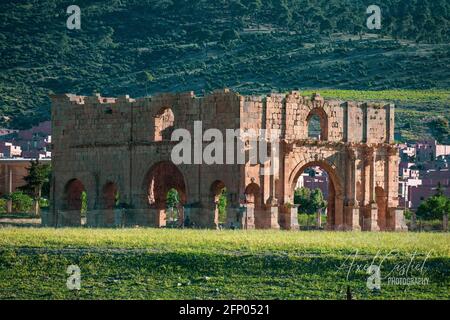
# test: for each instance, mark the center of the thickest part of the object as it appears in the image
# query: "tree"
(440, 129)
(435, 207)
(229, 35)
(38, 175)
(317, 200)
(146, 77)
(254, 5)
(310, 202)
(84, 203)
(285, 13)
(222, 206)
(301, 197)
(317, 204)
(173, 199)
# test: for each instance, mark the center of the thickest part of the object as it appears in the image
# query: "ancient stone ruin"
(111, 148)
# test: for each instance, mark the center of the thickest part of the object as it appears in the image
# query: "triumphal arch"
(112, 157)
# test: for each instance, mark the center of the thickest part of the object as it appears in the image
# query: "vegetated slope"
(141, 47)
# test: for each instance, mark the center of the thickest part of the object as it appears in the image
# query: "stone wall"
(122, 141)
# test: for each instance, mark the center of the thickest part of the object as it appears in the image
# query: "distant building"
(430, 181)
(409, 177)
(34, 143)
(315, 178)
(5, 132)
(423, 166)
(10, 150)
(407, 152)
(429, 150)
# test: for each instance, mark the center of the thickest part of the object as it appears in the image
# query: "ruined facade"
(118, 151)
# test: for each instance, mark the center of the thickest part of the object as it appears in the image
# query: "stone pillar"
(372, 159)
(181, 215)
(371, 220)
(273, 218)
(351, 210)
(339, 212)
(294, 218)
(270, 213)
(397, 220)
(247, 216)
(288, 217)
(371, 208)
(367, 172)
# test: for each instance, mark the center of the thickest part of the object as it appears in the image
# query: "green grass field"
(206, 264)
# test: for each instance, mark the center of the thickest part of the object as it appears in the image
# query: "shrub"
(3, 205)
(21, 202)
(44, 203)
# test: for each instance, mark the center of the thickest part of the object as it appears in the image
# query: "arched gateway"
(122, 146)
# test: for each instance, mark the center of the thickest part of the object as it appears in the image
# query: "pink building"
(10, 150)
(409, 177)
(315, 178)
(430, 180)
(407, 152)
(35, 142)
(429, 150)
(5, 132)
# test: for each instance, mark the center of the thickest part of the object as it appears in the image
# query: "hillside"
(252, 46)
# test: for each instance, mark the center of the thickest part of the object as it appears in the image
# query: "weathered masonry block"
(108, 146)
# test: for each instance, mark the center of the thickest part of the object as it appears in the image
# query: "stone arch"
(216, 190)
(73, 191)
(109, 192)
(253, 194)
(323, 119)
(335, 200)
(108, 202)
(254, 202)
(163, 124)
(160, 178)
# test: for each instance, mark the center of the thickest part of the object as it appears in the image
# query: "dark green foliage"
(309, 201)
(21, 202)
(173, 199)
(141, 47)
(229, 35)
(38, 176)
(435, 207)
(440, 129)
(222, 206)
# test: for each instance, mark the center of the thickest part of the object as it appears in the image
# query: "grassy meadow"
(208, 264)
